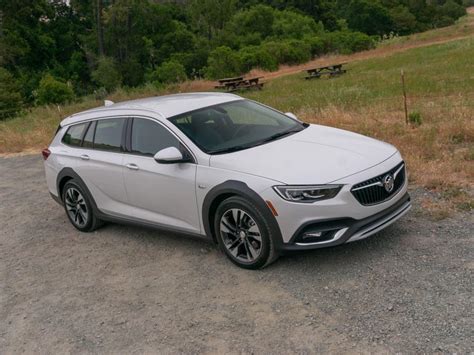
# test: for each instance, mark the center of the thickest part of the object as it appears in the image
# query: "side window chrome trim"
(128, 132)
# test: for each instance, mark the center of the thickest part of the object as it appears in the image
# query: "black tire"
(225, 235)
(86, 214)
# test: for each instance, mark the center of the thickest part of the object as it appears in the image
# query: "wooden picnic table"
(331, 70)
(229, 80)
(240, 83)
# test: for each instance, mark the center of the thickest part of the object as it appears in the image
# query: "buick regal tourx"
(256, 181)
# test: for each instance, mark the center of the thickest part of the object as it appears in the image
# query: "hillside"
(439, 69)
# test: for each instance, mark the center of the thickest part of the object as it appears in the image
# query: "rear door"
(101, 161)
(159, 193)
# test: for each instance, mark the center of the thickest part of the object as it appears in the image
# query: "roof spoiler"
(108, 102)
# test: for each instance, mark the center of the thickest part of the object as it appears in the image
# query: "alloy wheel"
(241, 235)
(76, 207)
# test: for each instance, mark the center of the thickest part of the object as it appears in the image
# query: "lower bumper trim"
(353, 229)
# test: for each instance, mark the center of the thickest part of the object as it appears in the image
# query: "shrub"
(415, 118)
(452, 9)
(289, 24)
(168, 73)
(53, 91)
(257, 57)
(106, 74)
(223, 62)
(316, 45)
(346, 42)
(289, 51)
(10, 97)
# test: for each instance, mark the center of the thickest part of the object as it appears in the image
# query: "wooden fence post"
(404, 96)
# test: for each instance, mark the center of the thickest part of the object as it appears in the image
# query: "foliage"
(10, 97)
(404, 22)
(107, 75)
(223, 62)
(104, 43)
(290, 51)
(452, 9)
(168, 73)
(369, 16)
(53, 91)
(415, 118)
(346, 42)
(257, 57)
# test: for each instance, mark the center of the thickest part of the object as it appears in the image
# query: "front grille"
(373, 191)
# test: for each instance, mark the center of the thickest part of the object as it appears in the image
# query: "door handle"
(84, 157)
(132, 166)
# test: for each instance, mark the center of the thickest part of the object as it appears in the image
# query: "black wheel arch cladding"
(67, 174)
(236, 188)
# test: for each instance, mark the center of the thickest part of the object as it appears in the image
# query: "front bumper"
(347, 229)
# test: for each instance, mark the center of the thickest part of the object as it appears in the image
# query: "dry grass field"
(439, 68)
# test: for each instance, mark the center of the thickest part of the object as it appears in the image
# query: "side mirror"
(170, 155)
(292, 115)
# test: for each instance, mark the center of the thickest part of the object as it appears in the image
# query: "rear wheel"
(243, 234)
(79, 208)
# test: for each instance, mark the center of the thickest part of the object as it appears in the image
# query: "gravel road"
(125, 289)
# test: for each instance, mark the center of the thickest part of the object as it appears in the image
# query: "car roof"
(166, 106)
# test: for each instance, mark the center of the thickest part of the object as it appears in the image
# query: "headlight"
(307, 193)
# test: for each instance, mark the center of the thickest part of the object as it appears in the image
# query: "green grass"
(436, 71)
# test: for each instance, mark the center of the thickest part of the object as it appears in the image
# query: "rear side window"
(149, 137)
(74, 135)
(108, 134)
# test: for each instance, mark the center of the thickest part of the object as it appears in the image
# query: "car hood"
(316, 155)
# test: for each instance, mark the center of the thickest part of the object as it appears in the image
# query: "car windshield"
(235, 126)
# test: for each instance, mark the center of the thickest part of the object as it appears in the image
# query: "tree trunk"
(100, 29)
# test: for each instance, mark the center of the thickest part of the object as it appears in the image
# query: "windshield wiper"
(263, 141)
(279, 135)
(230, 149)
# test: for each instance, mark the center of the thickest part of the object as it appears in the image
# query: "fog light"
(326, 235)
(313, 235)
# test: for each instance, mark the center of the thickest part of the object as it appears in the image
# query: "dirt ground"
(125, 289)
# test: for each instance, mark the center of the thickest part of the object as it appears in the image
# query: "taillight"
(46, 153)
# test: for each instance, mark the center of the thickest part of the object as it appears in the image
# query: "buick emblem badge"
(388, 182)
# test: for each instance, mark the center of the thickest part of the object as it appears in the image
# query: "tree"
(107, 75)
(10, 97)
(223, 62)
(369, 16)
(209, 16)
(404, 22)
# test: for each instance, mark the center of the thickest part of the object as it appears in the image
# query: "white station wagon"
(256, 181)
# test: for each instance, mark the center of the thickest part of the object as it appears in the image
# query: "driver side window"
(149, 137)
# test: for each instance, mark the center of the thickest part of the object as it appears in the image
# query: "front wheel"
(243, 234)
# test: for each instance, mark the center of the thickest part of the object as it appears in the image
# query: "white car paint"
(173, 195)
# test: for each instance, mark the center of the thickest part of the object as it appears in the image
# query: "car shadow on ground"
(381, 243)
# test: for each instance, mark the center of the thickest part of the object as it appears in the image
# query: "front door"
(160, 193)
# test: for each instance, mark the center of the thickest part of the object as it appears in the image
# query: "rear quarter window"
(74, 134)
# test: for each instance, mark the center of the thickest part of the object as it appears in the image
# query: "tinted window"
(149, 137)
(88, 141)
(234, 126)
(108, 134)
(74, 134)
